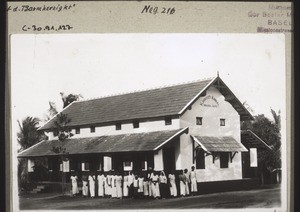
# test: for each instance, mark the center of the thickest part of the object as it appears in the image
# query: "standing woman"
(182, 179)
(108, 181)
(74, 179)
(85, 189)
(119, 185)
(125, 185)
(187, 184)
(163, 187)
(113, 185)
(193, 178)
(155, 185)
(92, 180)
(173, 187)
(150, 175)
(101, 184)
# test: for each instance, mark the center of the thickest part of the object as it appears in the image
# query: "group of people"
(151, 184)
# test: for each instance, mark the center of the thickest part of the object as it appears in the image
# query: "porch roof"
(251, 140)
(219, 144)
(136, 142)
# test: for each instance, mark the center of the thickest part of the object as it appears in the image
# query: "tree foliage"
(68, 99)
(268, 131)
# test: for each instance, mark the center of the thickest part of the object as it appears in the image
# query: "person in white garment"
(75, 189)
(125, 185)
(182, 180)
(85, 189)
(172, 183)
(130, 184)
(92, 179)
(150, 175)
(155, 185)
(140, 185)
(187, 185)
(118, 181)
(113, 185)
(146, 186)
(108, 181)
(193, 179)
(106, 186)
(163, 187)
(101, 180)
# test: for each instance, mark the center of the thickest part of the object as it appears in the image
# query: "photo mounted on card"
(150, 105)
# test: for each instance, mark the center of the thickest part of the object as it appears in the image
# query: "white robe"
(108, 182)
(85, 189)
(141, 184)
(146, 188)
(173, 187)
(113, 186)
(101, 184)
(75, 189)
(125, 188)
(119, 186)
(187, 189)
(92, 185)
(155, 186)
(193, 182)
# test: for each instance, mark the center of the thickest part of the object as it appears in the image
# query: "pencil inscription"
(155, 10)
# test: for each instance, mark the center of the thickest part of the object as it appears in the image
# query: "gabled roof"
(159, 102)
(219, 144)
(136, 142)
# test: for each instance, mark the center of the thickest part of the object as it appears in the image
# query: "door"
(169, 159)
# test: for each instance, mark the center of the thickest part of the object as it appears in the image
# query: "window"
(222, 122)
(168, 121)
(224, 159)
(93, 129)
(118, 126)
(85, 166)
(77, 131)
(200, 158)
(144, 165)
(198, 120)
(128, 166)
(73, 165)
(136, 124)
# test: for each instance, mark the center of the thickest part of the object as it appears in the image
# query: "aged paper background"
(127, 17)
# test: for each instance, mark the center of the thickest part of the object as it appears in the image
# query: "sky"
(95, 65)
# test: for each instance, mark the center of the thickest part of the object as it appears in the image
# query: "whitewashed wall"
(211, 127)
(149, 126)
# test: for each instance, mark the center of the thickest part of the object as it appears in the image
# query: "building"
(168, 128)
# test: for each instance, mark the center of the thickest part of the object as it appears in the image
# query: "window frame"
(222, 122)
(168, 120)
(118, 126)
(200, 119)
(136, 124)
(77, 130)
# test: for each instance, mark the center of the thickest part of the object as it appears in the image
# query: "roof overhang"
(135, 142)
(219, 144)
(251, 140)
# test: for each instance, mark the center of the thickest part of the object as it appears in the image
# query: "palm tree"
(27, 136)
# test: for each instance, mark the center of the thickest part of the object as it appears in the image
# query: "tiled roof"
(104, 144)
(219, 144)
(158, 102)
(251, 140)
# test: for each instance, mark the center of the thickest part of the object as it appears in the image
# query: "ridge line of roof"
(147, 89)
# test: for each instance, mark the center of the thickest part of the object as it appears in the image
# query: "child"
(74, 179)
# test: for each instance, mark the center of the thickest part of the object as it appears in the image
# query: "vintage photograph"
(148, 121)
